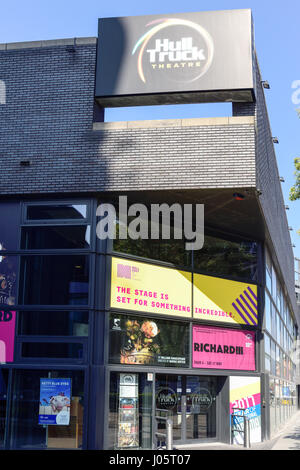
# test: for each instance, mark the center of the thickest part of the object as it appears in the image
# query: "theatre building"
(100, 334)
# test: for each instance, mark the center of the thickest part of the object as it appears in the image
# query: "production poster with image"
(245, 394)
(7, 335)
(55, 401)
(8, 278)
(137, 340)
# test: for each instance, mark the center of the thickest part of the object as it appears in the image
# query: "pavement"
(287, 438)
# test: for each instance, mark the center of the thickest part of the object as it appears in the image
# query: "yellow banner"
(143, 287)
(222, 300)
(151, 289)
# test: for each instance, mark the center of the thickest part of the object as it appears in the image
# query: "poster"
(55, 401)
(223, 348)
(245, 393)
(128, 414)
(8, 278)
(136, 340)
(7, 335)
(152, 289)
(148, 288)
(223, 300)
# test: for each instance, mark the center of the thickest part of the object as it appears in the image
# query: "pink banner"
(222, 348)
(7, 336)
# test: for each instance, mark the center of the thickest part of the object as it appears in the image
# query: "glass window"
(285, 312)
(52, 350)
(281, 303)
(281, 333)
(3, 403)
(268, 261)
(278, 329)
(54, 323)
(278, 296)
(26, 432)
(273, 314)
(267, 363)
(137, 340)
(169, 250)
(9, 227)
(56, 237)
(56, 211)
(8, 279)
(267, 345)
(285, 359)
(268, 272)
(55, 280)
(130, 411)
(228, 258)
(269, 281)
(273, 358)
(218, 256)
(278, 362)
(268, 313)
(277, 321)
(274, 284)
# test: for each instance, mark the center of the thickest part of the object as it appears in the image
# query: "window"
(268, 313)
(56, 211)
(3, 403)
(273, 314)
(273, 358)
(28, 405)
(9, 226)
(54, 280)
(267, 345)
(53, 350)
(268, 272)
(219, 255)
(227, 257)
(170, 251)
(53, 323)
(274, 284)
(55, 237)
(267, 353)
(278, 296)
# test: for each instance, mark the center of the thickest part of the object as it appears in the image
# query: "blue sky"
(277, 35)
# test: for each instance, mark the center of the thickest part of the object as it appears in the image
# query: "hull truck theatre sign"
(182, 58)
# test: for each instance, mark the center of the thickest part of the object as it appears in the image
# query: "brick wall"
(48, 120)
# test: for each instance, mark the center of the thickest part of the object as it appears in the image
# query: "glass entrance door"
(200, 407)
(190, 401)
(168, 393)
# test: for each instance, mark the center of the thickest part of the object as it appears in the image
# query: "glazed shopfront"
(166, 361)
(168, 332)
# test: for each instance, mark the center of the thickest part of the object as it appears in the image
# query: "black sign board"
(176, 58)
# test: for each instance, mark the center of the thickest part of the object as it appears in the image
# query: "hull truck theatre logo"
(179, 49)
